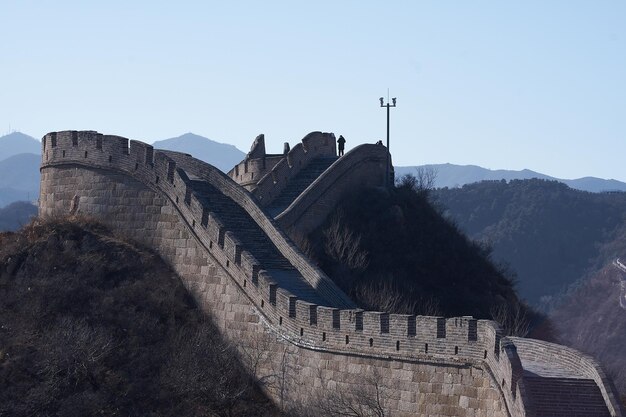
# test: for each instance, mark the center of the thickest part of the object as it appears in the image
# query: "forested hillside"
(590, 319)
(550, 234)
(93, 325)
(560, 242)
(390, 250)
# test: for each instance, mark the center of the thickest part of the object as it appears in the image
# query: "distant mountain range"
(19, 178)
(220, 155)
(20, 159)
(19, 166)
(16, 143)
(452, 176)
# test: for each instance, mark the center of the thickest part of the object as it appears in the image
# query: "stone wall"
(570, 361)
(255, 165)
(267, 175)
(301, 352)
(363, 166)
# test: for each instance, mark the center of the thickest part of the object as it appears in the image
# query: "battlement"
(267, 174)
(320, 326)
(363, 166)
(138, 161)
(336, 327)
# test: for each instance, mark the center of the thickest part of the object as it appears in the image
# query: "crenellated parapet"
(364, 166)
(267, 174)
(255, 165)
(333, 328)
(161, 171)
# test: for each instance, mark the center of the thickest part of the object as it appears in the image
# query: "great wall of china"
(301, 336)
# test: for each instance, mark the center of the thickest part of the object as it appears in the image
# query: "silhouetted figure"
(341, 142)
(380, 142)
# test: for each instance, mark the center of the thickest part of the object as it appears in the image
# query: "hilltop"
(17, 143)
(391, 250)
(92, 324)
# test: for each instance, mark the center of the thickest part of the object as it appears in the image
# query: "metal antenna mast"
(382, 104)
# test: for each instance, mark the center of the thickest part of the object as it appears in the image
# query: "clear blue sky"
(515, 84)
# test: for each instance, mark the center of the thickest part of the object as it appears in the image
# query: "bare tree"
(271, 369)
(194, 353)
(255, 352)
(365, 399)
(513, 320)
(426, 178)
(302, 242)
(422, 181)
(344, 245)
(75, 351)
(382, 295)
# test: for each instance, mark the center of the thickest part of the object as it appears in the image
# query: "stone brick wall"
(301, 352)
(363, 166)
(249, 171)
(569, 360)
(266, 176)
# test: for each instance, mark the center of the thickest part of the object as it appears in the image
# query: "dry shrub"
(91, 324)
(513, 319)
(343, 245)
(384, 295)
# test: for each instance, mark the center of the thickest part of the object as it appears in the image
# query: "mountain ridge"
(19, 178)
(550, 234)
(16, 143)
(454, 176)
(221, 155)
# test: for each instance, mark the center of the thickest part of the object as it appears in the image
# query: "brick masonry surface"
(301, 351)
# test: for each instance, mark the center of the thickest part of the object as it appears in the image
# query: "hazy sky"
(501, 84)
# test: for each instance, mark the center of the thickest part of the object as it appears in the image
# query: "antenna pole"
(388, 106)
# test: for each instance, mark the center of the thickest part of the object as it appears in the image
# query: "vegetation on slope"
(93, 325)
(550, 234)
(591, 320)
(391, 250)
(589, 317)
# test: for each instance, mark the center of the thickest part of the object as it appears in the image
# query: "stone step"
(299, 183)
(255, 240)
(565, 397)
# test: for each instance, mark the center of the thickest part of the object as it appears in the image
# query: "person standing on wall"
(341, 142)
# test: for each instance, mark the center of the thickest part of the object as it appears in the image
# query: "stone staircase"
(556, 393)
(254, 240)
(299, 183)
(565, 397)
